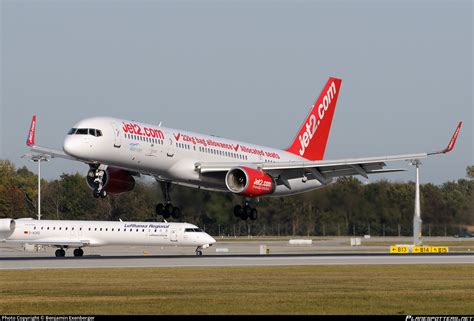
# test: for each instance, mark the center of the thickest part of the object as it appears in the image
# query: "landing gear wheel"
(168, 210)
(60, 253)
(97, 179)
(91, 173)
(246, 212)
(199, 253)
(78, 252)
(159, 209)
(238, 211)
(176, 213)
(253, 214)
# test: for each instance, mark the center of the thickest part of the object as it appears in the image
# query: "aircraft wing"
(53, 153)
(324, 170)
(53, 242)
(320, 170)
(44, 151)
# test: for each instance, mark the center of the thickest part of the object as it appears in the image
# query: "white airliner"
(116, 150)
(79, 234)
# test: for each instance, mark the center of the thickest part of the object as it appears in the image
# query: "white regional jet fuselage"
(79, 234)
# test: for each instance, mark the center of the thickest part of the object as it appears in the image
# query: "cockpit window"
(85, 131)
(192, 230)
(81, 131)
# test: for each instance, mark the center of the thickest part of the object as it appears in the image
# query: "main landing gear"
(78, 252)
(245, 212)
(167, 209)
(95, 176)
(61, 252)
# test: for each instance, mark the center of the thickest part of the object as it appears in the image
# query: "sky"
(246, 70)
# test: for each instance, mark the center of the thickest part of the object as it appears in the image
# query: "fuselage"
(101, 233)
(169, 154)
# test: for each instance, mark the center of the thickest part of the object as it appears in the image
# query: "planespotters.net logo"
(316, 118)
(439, 318)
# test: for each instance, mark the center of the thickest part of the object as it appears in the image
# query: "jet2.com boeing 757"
(116, 150)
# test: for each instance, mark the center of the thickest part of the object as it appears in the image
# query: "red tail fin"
(31, 135)
(311, 140)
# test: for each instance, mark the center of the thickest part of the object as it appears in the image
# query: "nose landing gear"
(95, 176)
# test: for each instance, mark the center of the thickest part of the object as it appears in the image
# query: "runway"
(334, 251)
(21, 263)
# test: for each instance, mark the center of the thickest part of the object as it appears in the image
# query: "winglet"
(452, 142)
(31, 135)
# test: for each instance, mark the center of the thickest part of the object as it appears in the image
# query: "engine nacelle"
(7, 227)
(115, 181)
(249, 182)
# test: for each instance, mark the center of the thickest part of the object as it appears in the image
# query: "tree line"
(347, 207)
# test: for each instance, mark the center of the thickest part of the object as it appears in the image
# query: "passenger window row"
(100, 229)
(222, 153)
(145, 139)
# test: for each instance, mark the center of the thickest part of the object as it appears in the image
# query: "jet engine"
(7, 226)
(115, 180)
(249, 182)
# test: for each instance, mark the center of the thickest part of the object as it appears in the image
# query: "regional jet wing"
(53, 242)
(324, 170)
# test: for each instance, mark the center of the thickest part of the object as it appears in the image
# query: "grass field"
(389, 289)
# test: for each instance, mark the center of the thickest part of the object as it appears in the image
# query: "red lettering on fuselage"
(135, 129)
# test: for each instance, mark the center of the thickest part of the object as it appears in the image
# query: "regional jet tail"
(117, 150)
(80, 234)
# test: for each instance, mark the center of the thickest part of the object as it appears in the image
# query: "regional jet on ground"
(116, 150)
(79, 234)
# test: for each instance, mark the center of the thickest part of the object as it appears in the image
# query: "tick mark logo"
(177, 136)
(236, 147)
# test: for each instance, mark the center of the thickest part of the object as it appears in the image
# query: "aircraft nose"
(210, 239)
(68, 145)
(71, 146)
